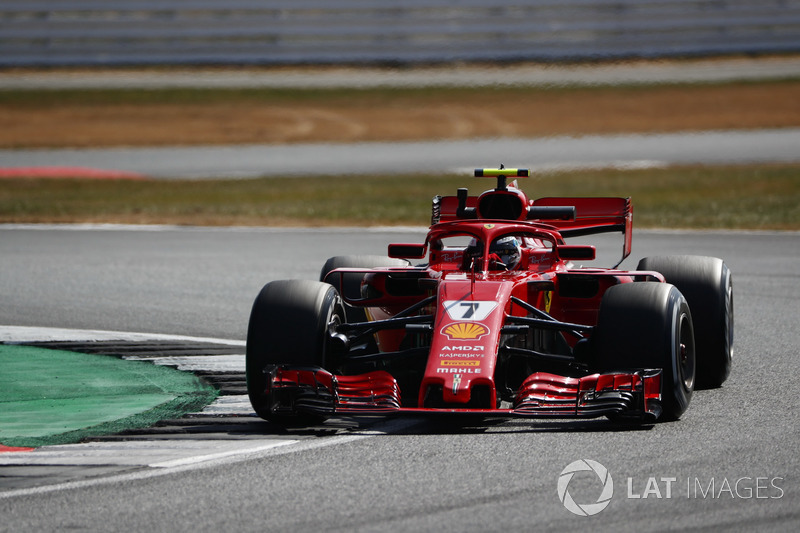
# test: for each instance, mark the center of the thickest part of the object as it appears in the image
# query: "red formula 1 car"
(497, 322)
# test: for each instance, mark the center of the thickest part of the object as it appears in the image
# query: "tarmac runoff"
(541, 155)
(714, 70)
(52, 397)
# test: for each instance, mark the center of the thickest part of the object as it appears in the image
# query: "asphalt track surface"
(730, 464)
(531, 75)
(539, 154)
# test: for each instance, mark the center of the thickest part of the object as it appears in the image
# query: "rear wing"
(503, 203)
(593, 216)
(498, 204)
(571, 216)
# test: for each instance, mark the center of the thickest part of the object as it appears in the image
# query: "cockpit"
(515, 251)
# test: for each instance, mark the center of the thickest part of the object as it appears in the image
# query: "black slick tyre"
(351, 284)
(707, 284)
(648, 325)
(290, 323)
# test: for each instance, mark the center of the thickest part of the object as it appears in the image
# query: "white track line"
(192, 363)
(217, 229)
(272, 449)
(153, 453)
(12, 334)
(197, 459)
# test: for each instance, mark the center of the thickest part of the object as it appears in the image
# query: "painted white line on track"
(238, 405)
(382, 428)
(192, 363)
(197, 459)
(330, 229)
(218, 229)
(153, 453)
(12, 334)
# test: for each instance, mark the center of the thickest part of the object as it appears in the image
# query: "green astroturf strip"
(58, 397)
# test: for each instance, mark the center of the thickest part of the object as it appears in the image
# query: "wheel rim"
(686, 352)
(729, 317)
(331, 346)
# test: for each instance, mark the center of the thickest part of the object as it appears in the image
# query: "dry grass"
(192, 117)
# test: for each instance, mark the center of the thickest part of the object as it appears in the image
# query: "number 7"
(471, 307)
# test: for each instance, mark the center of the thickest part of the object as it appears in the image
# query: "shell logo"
(465, 331)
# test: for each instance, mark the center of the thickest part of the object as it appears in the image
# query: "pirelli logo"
(461, 363)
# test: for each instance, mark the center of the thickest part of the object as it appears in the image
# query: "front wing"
(313, 390)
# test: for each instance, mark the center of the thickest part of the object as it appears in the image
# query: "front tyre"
(292, 322)
(707, 284)
(648, 325)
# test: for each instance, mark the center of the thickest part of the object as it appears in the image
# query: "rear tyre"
(351, 284)
(648, 325)
(291, 323)
(707, 285)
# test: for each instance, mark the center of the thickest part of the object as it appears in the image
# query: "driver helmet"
(507, 250)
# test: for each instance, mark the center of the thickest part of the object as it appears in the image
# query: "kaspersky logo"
(465, 331)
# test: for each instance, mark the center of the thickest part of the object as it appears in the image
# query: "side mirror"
(407, 251)
(580, 252)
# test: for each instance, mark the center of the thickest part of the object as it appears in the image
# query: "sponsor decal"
(539, 258)
(465, 331)
(469, 362)
(488, 226)
(466, 350)
(456, 383)
(458, 370)
(548, 299)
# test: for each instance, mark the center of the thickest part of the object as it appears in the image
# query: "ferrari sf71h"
(496, 320)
